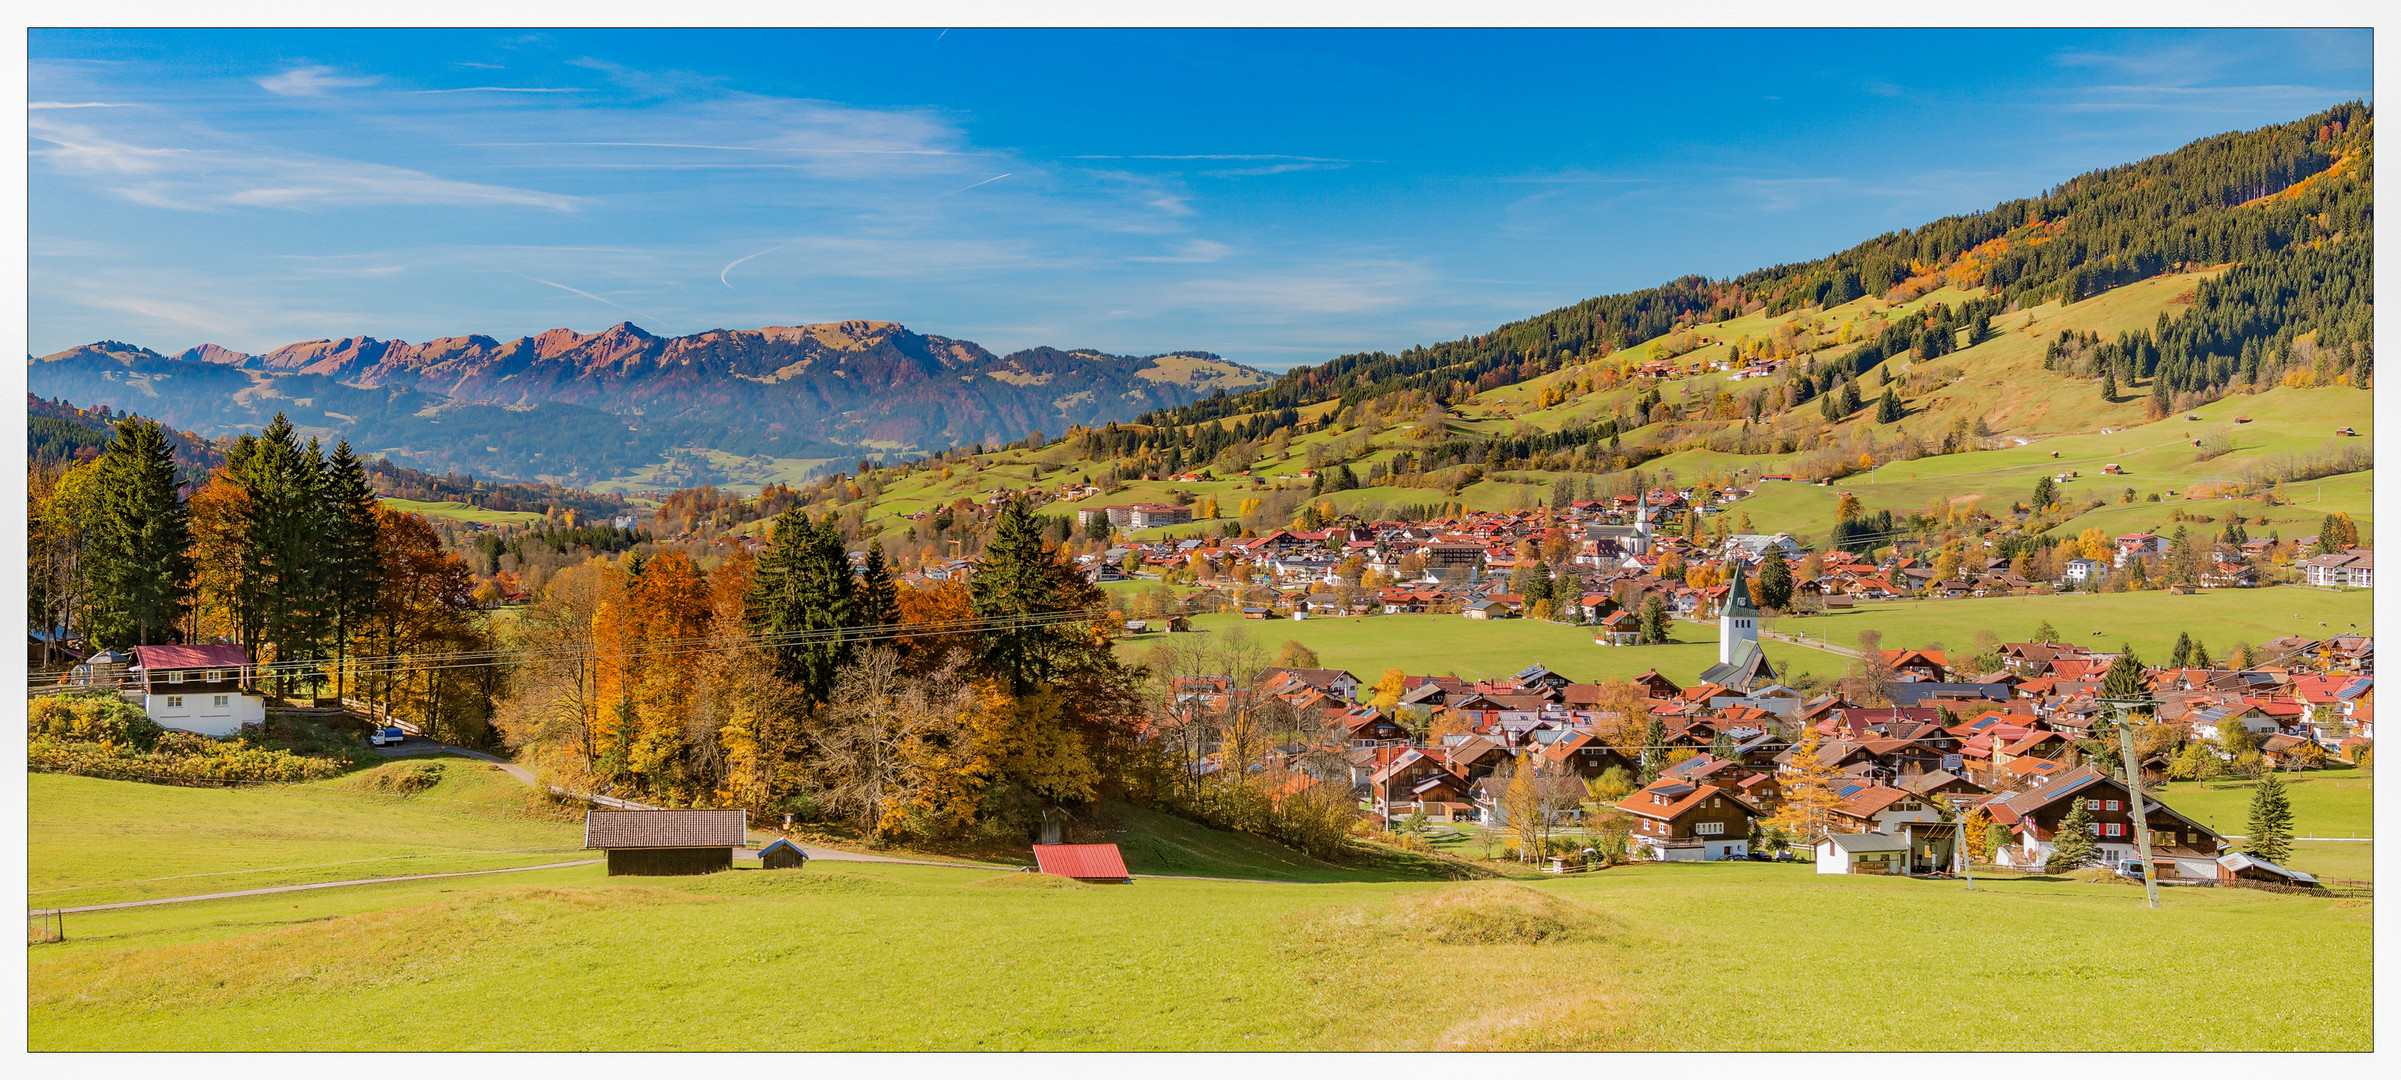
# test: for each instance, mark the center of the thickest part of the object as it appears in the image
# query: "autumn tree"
(1809, 794)
(1387, 691)
(1296, 655)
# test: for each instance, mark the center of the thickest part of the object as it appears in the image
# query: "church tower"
(1737, 620)
(1640, 542)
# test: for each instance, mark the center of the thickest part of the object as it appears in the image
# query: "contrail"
(977, 184)
(589, 296)
(729, 267)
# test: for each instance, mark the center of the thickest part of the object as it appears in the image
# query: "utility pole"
(2134, 789)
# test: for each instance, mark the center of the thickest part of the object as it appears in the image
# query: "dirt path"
(319, 885)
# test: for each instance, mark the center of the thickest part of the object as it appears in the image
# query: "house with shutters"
(203, 689)
(1683, 821)
(2180, 847)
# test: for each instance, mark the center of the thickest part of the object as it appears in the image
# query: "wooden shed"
(1097, 863)
(661, 843)
(782, 855)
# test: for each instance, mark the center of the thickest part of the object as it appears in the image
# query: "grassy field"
(101, 841)
(459, 511)
(1652, 957)
(2149, 621)
(2334, 802)
(1440, 644)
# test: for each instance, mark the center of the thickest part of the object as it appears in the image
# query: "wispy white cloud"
(205, 178)
(312, 81)
(80, 105)
(506, 90)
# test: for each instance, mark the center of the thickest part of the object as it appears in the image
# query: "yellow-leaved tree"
(1809, 798)
(1388, 689)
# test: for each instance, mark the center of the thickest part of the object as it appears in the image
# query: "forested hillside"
(2236, 266)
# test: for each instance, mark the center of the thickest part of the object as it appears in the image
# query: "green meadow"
(102, 841)
(459, 511)
(1651, 957)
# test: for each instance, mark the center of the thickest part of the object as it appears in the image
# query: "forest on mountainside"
(2290, 204)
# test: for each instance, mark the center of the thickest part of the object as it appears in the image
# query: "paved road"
(321, 885)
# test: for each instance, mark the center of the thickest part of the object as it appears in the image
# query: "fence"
(2327, 888)
(44, 926)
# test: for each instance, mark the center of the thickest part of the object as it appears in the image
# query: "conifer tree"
(1888, 407)
(2072, 846)
(1654, 747)
(1020, 580)
(802, 598)
(353, 557)
(282, 600)
(1775, 582)
(1653, 628)
(139, 561)
(2182, 655)
(878, 594)
(2271, 823)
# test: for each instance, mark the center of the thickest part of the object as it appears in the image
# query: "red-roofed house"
(203, 689)
(1683, 821)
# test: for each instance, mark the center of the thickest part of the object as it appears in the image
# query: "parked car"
(390, 736)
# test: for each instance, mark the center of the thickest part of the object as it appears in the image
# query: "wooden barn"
(659, 843)
(1096, 863)
(782, 855)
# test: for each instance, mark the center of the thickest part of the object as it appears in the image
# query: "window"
(175, 677)
(1710, 828)
(216, 676)
(220, 701)
(175, 701)
(2092, 804)
(2114, 829)
(2110, 805)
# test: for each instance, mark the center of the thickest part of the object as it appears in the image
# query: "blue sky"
(1277, 197)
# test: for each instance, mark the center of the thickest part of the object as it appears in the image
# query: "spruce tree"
(281, 597)
(2109, 385)
(139, 554)
(353, 559)
(2271, 824)
(1888, 407)
(879, 596)
(2124, 680)
(2182, 655)
(1653, 628)
(1654, 748)
(2072, 846)
(1775, 582)
(1019, 580)
(1850, 396)
(801, 600)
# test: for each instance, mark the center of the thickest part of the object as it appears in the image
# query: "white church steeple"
(1737, 620)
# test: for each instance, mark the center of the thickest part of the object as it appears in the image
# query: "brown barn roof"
(665, 828)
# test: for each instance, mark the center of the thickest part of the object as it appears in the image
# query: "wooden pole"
(2134, 789)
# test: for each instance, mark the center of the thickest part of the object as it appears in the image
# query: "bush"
(178, 758)
(92, 718)
(402, 778)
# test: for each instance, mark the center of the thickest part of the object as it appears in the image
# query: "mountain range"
(720, 406)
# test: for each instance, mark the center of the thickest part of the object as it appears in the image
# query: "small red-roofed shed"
(1096, 863)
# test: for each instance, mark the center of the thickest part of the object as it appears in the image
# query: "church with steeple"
(1741, 665)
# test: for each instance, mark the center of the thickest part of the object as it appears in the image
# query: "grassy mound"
(399, 778)
(1474, 913)
(1027, 881)
(772, 883)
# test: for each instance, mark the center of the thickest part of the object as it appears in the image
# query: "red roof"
(163, 657)
(1087, 862)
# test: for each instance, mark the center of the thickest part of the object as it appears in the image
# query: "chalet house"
(1681, 821)
(1333, 682)
(1417, 780)
(2140, 546)
(1883, 808)
(2180, 847)
(2081, 570)
(1580, 754)
(203, 689)
(2352, 568)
